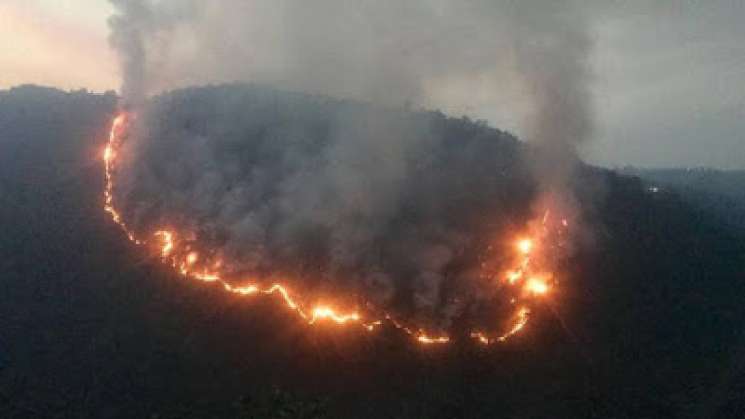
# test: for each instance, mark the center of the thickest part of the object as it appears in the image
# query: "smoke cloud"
(396, 205)
(400, 207)
(139, 31)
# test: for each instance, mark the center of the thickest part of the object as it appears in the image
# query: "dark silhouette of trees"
(648, 322)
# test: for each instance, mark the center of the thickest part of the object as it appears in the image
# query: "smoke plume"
(352, 192)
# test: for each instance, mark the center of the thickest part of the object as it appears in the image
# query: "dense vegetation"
(649, 324)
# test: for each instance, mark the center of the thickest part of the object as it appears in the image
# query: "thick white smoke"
(523, 64)
(128, 36)
(389, 199)
(397, 206)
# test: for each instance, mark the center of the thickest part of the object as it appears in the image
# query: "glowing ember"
(167, 238)
(536, 286)
(523, 314)
(514, 276)
(525, 246)
(320, 313)
(481, 338)
(521, 319)
(187, 262)
(108, 153)
(430, 340)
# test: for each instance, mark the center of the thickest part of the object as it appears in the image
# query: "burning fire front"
(527, 277)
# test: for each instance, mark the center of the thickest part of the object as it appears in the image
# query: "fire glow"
(532, 282)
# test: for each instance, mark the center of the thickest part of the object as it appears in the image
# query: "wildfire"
(523, 315)
(521, 319)
(430, 340)
(167, 238)
(187, 262)
(536, 286)
(320, 313)
(525, 246)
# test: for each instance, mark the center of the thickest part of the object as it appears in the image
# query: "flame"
(536, 286)
(167, 238)
(481, 338)
(427, 340)
(186, 262)
(521, 319)
(525, 246)
(514, 276)
(320, 313)
(108, 154)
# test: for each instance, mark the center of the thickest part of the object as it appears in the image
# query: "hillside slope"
(649, 323)
(720, 193)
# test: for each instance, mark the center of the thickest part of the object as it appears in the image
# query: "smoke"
(140, 30)
(398, 206)
(552, 49)
(127, 37)
(491, 59)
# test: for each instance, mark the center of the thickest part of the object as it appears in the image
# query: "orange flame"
(525, 246)
(166, 241)
(427, 340)
(536, 286)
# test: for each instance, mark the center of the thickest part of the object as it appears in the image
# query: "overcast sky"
(669, 82)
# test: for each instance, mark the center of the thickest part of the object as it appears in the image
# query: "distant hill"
(647, 323)
(719, 192)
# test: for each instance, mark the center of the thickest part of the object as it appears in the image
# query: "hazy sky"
(59, 43)
(669, 82)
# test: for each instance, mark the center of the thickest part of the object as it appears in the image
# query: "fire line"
(522, 275)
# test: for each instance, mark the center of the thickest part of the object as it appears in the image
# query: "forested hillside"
(721, 193)
(648, 323)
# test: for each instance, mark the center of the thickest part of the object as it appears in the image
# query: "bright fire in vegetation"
(525, 246)
(530, 280)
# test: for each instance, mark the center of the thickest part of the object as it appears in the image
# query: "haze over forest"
(667, 78)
